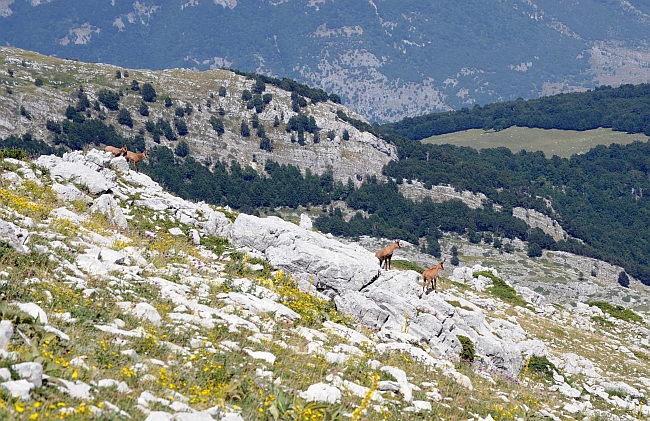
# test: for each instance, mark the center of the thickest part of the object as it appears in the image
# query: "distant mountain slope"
(387, 59)
(37, 89)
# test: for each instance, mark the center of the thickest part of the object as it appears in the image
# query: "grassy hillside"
(562, 143)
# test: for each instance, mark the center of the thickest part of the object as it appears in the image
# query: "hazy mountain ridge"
(387, 60)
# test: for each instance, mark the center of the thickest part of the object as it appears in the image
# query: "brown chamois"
(135, 158)
(386, 254)
(116, 151)
(430, 277)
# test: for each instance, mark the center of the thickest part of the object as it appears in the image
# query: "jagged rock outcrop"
(539, 220)
(336, 267)
(388, 301)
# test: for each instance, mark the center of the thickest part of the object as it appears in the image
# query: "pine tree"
(244, 130)
(148, 93)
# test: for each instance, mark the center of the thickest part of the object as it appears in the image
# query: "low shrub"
(617, 311)
(502, 290)
(541, 366)
(467, 354)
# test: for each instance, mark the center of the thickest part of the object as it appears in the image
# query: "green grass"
(618, 311)
(562, 143)
(459, 305)
(502, 290)
(406, 265)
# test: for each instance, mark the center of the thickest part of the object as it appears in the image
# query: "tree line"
(626, 109)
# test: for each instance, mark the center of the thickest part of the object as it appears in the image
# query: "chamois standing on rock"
(135, 158)
(116, 151)
(430, 277)
(386, 254)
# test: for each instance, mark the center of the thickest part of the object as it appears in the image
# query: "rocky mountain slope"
(387, 60)
(122, 301)
(209, 95)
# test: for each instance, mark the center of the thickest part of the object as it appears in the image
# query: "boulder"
(305, 222)
(107, 205)
(119, 164)
(32, 372)
(216, 224)
(336, 267)
(6, 332)
(74, 168)
(321, 392)
(33, 310)
(145, 311)
(14, 236)
(18, 389)
(70, 193)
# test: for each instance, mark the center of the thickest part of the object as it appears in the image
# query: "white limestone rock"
(159, 416)
(321, 392)
(65, 213)
(70, 193)
(217, 223)
(571, 363)
(6, 332)
(20, 389)
(119, 164)
(108, 206)
(261, 355)
(530, 296)
(260, 305)
(336, 267)
(405, 387)
(73, 167)
(305, 222)
(77, 389)
(175, 231)
(32, 372)
(33, 310)
(145, 311)
(194, 235)
(15, 236)
(622, 387)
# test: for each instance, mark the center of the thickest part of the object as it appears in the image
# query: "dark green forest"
(626, 109)
(597, 197)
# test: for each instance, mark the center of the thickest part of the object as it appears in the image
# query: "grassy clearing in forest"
(562, 143)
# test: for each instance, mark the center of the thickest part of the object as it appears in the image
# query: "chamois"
(135, 158)
(386, 254)
(116, 151)
(430, 277)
